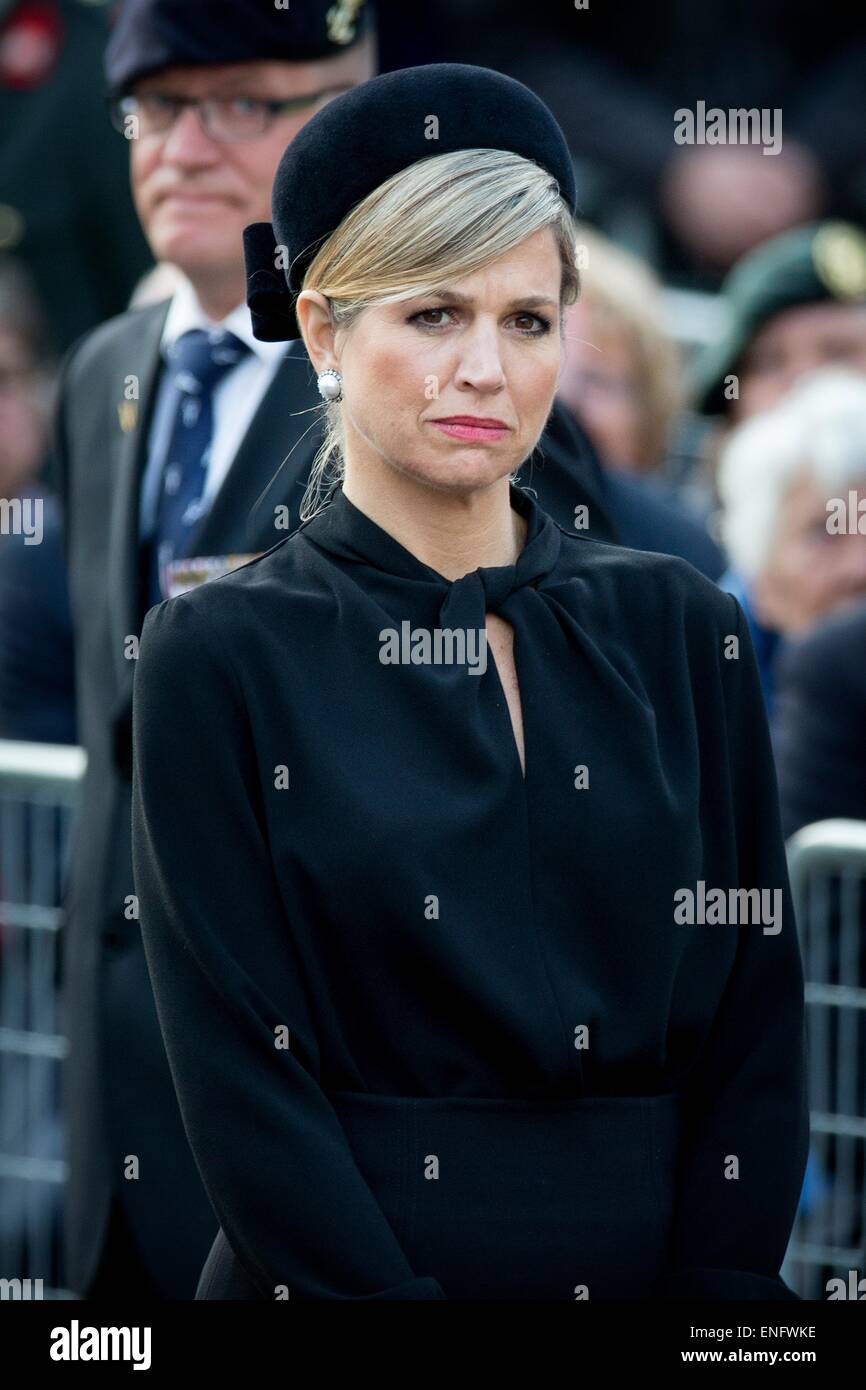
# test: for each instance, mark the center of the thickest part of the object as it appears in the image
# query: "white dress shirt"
(236, 399)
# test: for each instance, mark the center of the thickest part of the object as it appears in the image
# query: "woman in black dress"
(455, 834)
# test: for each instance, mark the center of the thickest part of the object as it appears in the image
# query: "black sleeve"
(272, 1154)
(748, 1096)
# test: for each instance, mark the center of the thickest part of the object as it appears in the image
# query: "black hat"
(364, 137)
(821, 261)
(153, 34)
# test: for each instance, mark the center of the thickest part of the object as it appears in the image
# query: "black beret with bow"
(150, 35)
(364, 137)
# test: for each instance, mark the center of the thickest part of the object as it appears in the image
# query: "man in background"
(172, 420)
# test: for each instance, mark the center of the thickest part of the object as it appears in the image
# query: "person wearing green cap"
(796, 302)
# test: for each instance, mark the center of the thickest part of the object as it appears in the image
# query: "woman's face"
(792, 343)
(454, 388)
(812, 567)
(601, 386)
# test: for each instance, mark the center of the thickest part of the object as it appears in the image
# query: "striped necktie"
(197, 362)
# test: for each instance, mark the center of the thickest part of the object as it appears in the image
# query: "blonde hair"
(623, 299)
(435, 221)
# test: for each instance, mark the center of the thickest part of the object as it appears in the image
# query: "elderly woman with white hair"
(792, 483)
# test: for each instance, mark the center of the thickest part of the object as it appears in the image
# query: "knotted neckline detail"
(345, 531)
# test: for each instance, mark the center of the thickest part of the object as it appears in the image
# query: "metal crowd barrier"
(827, 864)
(38, 792)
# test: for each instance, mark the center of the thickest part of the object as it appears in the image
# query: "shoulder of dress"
(643, 575)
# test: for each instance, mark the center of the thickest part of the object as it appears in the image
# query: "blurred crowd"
(716, 358)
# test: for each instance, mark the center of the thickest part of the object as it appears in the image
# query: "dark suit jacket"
(820, 722)
(119, 1096)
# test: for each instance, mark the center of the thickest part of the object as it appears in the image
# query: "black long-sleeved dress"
(440, 1030)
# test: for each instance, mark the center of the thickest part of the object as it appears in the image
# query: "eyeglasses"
(224, 119)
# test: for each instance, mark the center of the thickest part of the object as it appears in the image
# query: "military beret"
(821, 261)
(153, 34)
(365, 136)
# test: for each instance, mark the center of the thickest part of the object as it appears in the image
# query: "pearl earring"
(330, 385)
